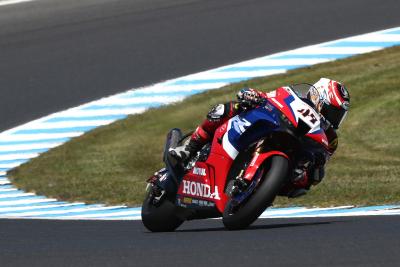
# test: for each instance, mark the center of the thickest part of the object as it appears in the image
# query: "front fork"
(259, 157)
(251, 175)
(240, 184)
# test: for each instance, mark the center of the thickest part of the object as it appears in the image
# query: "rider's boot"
(184, 152)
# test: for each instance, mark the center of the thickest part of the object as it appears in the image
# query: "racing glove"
(249, 98)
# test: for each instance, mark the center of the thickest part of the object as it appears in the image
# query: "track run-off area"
(31, 52)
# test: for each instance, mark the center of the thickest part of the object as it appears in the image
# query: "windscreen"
(302, 89)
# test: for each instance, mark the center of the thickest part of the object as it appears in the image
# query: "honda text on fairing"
(258, 148)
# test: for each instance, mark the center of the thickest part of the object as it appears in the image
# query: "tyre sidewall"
(160, 218)
(262, 198)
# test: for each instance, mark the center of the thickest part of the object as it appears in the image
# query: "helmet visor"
(334, 115)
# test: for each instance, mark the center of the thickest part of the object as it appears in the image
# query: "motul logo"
(199, 171)
(199, 189)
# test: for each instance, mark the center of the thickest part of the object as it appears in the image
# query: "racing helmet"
(331, 99)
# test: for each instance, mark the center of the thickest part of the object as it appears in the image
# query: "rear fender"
(258, 160)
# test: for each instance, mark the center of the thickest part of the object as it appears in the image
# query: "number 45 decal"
(307, 113)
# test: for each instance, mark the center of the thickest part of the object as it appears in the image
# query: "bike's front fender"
(258, 160)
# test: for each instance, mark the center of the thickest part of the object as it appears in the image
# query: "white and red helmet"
(333, 100)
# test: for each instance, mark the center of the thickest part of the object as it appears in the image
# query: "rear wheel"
(161, 217)
(240, 215)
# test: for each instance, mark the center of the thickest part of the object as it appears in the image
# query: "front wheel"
(161, 217)
(240, 216)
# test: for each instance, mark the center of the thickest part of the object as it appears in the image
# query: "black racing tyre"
(263, 196)
(161, 218)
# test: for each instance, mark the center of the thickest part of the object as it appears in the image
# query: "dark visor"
(334, 115)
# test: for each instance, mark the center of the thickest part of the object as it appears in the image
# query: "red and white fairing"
(204, 185)
(295, 109)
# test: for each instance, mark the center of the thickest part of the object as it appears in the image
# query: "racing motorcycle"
(248, 163)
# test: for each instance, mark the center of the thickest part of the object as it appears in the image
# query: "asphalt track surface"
(58, 54)
(350, 241)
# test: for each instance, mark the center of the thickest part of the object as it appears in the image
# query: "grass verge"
(110, 164)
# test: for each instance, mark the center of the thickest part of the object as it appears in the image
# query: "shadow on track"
(258, 227)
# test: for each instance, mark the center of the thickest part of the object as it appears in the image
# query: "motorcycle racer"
(328, 97)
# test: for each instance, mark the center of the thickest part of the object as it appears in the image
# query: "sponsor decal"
(199, 171)
(268, 107)
(187, 200)
(200, 190)
(307, 113)
(179, 202)
(206, 203)
(254, 160)
(240, 124)
(163, 177)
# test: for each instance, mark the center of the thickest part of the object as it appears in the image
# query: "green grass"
(110, 164)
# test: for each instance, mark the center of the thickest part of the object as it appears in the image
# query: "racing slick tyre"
(160, 218)
(236, 217)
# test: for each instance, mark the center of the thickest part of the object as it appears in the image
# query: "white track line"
(70, 124)
(138, 100)
(376, 38)
(334, 50)
(102, 112)
(104, 215)
(232, 74)
(26, 201)
(15, 148)
(13, 2)
(281, 62)
(8, 190)
(171, 88)
(17, 156)
(10, 195)
(14, 209)
(59, 212)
